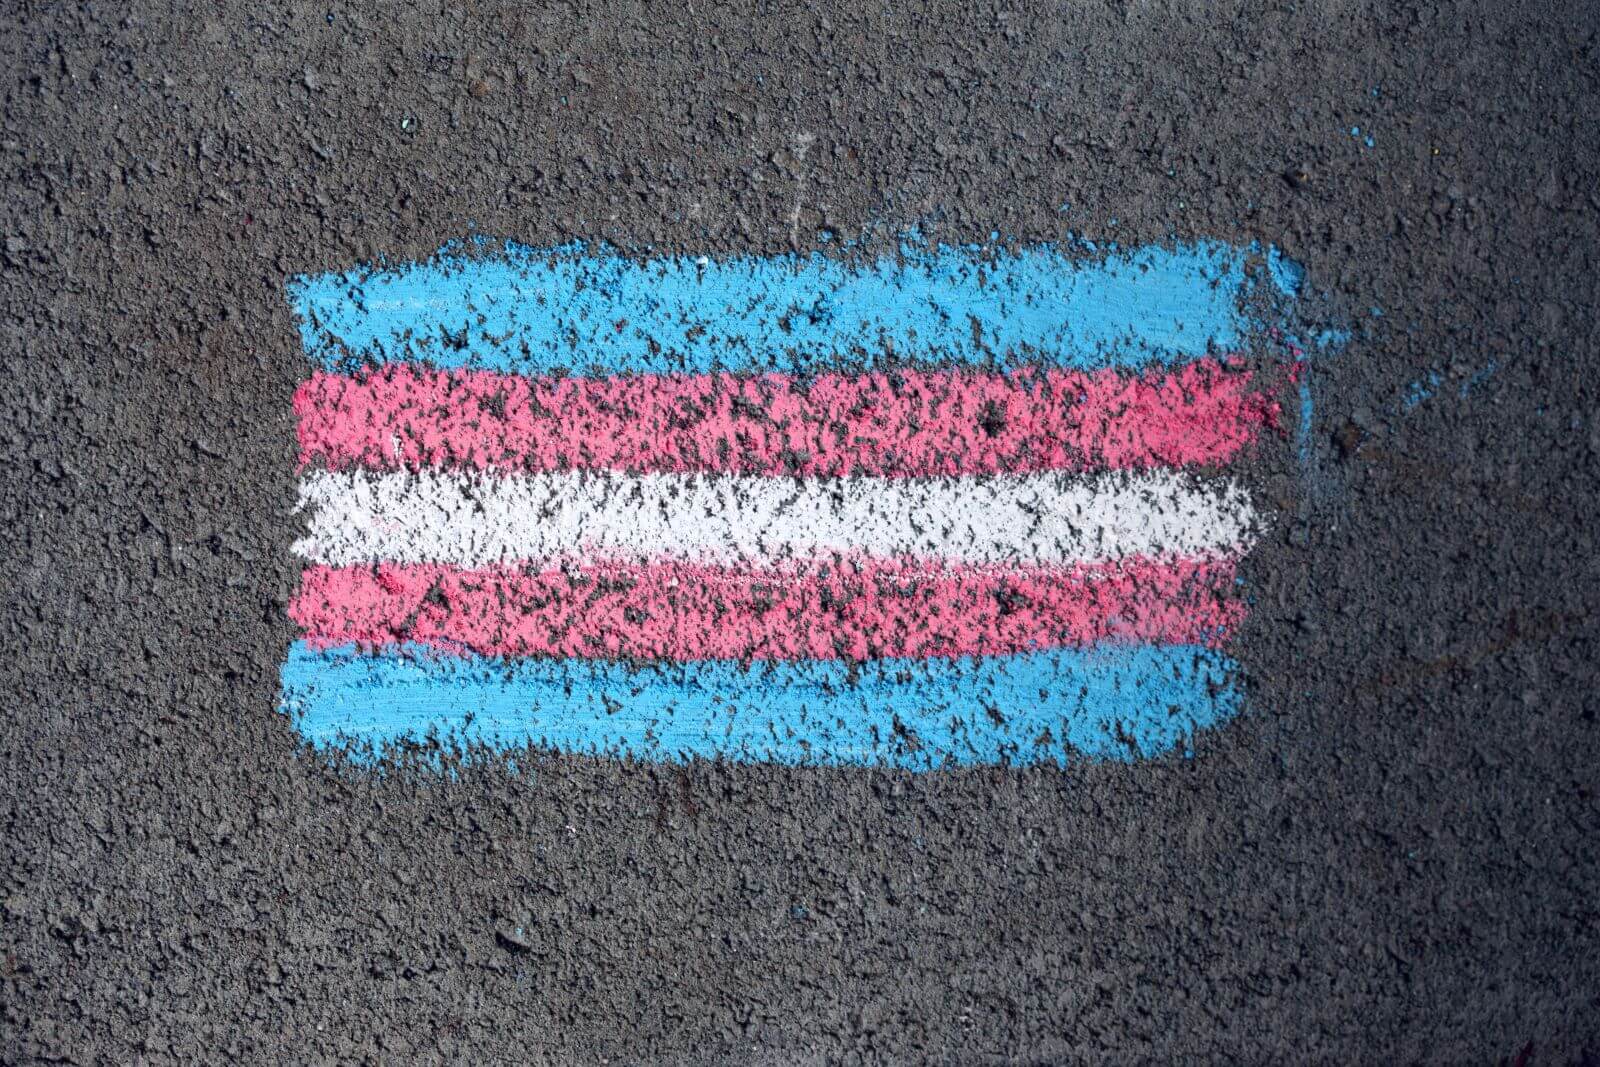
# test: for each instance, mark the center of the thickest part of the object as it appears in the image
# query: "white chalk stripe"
(473, 520)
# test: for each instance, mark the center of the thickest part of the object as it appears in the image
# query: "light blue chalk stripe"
(1047, 707)
(596, 311)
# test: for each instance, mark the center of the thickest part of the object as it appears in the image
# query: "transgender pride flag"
(953, 506)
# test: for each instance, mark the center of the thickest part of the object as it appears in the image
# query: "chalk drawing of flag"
(953, 506)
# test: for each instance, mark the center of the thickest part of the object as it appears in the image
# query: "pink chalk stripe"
(857, 610)
(909, 423)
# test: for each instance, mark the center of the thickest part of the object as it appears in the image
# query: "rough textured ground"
(1391, 856)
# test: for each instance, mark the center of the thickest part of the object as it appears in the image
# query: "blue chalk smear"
(1287, 274)
(1302, 442)
(593, 310)
(1419, 391)
(1482, 375)
(1107, 702)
